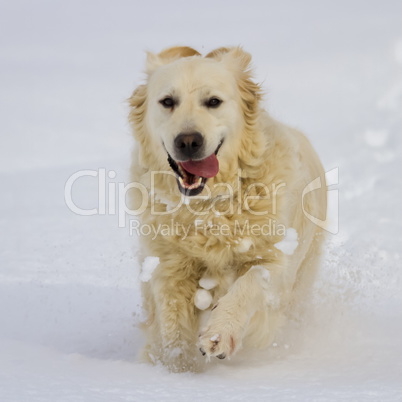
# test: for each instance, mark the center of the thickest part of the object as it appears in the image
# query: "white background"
(69, 299)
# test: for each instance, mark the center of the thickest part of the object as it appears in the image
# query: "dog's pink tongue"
(208, 167)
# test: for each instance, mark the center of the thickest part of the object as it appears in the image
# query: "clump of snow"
(170, 204)
(376, 138)
(289, 244)
(215, 338)
(148, 267)
(175, 352)
(202, 299)
(244, 245)
(208, 283)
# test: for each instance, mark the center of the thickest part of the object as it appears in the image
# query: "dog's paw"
(215, 346)
(221, 338)
(219, 343)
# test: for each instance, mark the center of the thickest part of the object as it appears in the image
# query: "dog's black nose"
(188, 144)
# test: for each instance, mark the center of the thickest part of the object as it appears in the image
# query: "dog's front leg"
(258, 289)
(173, 288)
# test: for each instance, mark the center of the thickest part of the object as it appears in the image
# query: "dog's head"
(194, 111)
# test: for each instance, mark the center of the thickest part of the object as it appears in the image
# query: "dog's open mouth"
(192, 175)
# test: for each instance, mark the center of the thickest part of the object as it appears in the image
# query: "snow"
(289, 244)
(215, 338)
(376, 138)
(175, 352)
(207, 283)
(148, 267)
(69, 284)
(244, 245)
(202, 299)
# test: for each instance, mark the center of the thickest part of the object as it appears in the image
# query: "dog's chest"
(218, 237)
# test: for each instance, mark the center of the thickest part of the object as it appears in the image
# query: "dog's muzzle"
(193, 173)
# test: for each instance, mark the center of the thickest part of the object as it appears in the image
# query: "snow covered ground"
(69, 299)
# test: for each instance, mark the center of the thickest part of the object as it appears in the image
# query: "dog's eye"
(213, 102)
(167, 102)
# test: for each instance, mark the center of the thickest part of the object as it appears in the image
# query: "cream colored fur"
(256, 281)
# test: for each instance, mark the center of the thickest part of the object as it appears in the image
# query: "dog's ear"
(138, 97)
(234, 57)
(137, 103)
(239, 62)
(218, 53)
(167, 56)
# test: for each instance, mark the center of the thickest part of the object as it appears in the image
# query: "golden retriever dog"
(229, 240)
